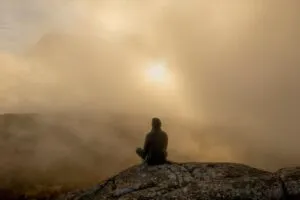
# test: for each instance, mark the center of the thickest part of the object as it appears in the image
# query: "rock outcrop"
(195, 181)
(290, 179)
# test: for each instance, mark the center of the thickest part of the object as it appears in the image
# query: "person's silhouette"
(155, 146)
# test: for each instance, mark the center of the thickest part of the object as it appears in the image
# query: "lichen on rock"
(207, 181)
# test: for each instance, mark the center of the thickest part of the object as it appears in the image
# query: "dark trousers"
(141, 153)
(152, 159)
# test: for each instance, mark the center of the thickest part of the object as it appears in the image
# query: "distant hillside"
(42, 154)
(54, 44)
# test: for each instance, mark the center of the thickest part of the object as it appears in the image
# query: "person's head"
(156, 123)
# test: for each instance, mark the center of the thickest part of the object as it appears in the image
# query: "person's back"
(155, 147)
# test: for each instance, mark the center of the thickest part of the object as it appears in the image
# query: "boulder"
(290, 178)
(207, 181)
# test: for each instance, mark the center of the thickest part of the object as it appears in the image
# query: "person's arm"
(166, 141)
(147, 144)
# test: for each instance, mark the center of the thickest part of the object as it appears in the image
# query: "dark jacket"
(155, 147)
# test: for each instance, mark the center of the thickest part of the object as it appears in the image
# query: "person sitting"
(155, 146)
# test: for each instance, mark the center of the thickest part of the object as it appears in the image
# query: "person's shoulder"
(164, 132)
(149, 134)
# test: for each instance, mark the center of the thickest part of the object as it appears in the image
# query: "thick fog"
(232, 92)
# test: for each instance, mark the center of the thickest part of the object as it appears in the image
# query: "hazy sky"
(236, 60)
(22, 23)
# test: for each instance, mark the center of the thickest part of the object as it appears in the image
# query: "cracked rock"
(290, 178)
(201, 181)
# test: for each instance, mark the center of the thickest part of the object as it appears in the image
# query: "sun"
(159, 77)
(157, 73)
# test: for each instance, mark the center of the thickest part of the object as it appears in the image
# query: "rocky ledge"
(207, 181)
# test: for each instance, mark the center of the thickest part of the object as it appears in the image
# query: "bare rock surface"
(290, 178)
(207, 181)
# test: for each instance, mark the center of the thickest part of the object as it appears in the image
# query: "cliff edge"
(218, 181)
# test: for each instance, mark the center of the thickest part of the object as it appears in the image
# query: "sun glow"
(158, 73)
